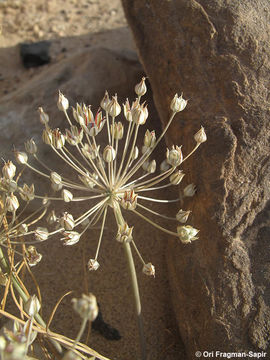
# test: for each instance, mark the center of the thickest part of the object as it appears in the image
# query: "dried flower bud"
(32, 306)
(174, 156)
(74, 135)
(86, 306)
(149, 166)
(140, 114)
(21, 157)
(90, 151)
(67, 196)
(87, 180)
(51, 218)
(187, 233)
(149, 269)
(124, 234)
(23, 229)
(55, 178)
(30, 146)
(114, 108)
(164, 166)
(182, 216)
(200, 136)
(92, 265)
(62, 103)
(129, 200)
(149, 139)
(70, 237)
(32, 256)
(140, 89)
(47, 136)
(44, 118)
(27, 193)
(109, 153)
(105, 101)
(135, 153)
(67, 221)
(189, 190)
(9, 170)
(127, 111)
(58, 139)
(176, 177)
(41, 234)
(57, 187)
(12, 203)
(8, 185)
(178, 103)
(117, 131)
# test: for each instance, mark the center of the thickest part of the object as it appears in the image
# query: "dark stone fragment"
(36, 54)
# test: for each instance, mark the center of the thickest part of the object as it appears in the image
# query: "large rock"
(217, 53)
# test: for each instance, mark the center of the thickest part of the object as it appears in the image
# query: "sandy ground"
(69, 25)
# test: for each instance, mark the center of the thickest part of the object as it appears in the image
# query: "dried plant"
(16, 225)
(113, 178)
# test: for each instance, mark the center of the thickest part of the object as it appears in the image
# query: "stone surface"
(217, 53)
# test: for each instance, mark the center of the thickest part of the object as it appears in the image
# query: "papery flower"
(178, 103)
(12, 203)
(67, 196)
(32, 256)
(90, 124)
(70, 237)
(187, 233)
(90, 151)
(124, 233)
(74, 135)
(9, 170)
(174, 156)
(63, 102)
(67, 221)
(30, 147)
(57, 139)
(27, 192)
(200, 136)
(92, 265)
(176, 177)
(149, 269)
(182, 216)
(113, 107)
(41, 233)
(21, 157)
(140, 89)
(109, 154)
(86, 306)
(32, 306)
(44, 118)
(189, 190)
(129, 200)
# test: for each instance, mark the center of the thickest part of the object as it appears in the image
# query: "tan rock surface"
(217, 53)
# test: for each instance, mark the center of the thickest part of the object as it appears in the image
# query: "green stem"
(135, 288)
(5, 266)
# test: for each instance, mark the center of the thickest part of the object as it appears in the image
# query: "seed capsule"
(149, 269)
(178, 103)
(92, 265)
(187, 233)
(140, 89)
(200, 136)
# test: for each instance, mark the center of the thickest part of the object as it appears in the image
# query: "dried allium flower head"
(15, 225)
(111, 177)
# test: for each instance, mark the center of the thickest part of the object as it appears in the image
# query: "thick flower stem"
(134, 282)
